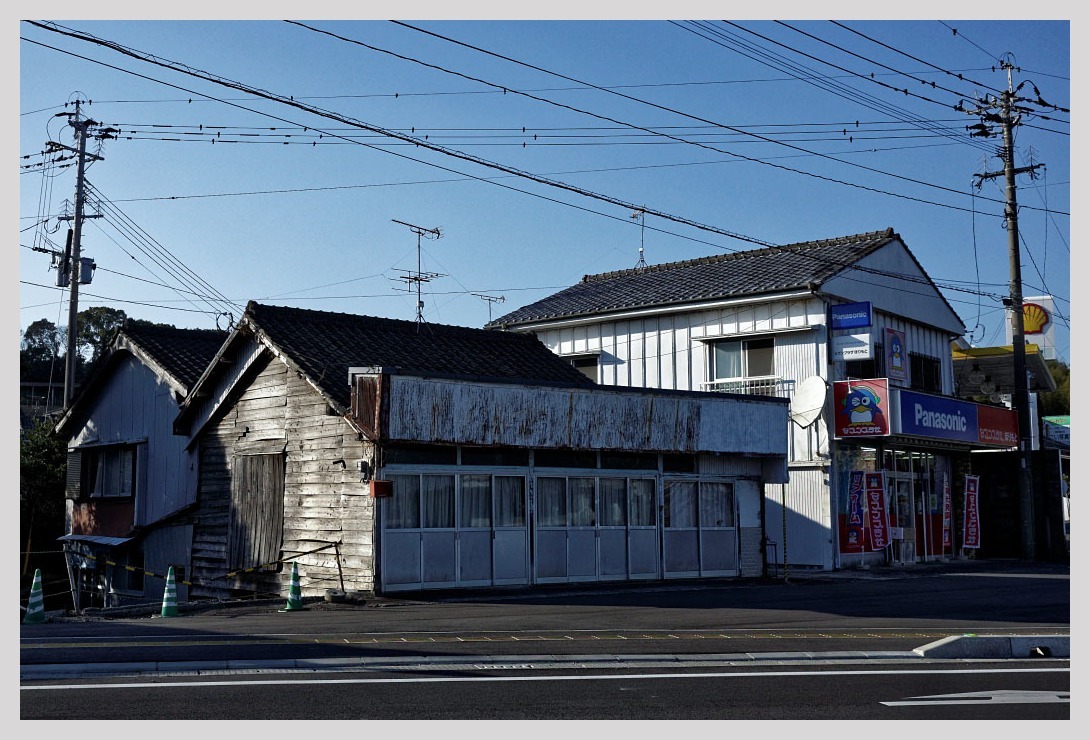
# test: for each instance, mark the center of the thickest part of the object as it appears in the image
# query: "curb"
(998, 646)
(957, 647)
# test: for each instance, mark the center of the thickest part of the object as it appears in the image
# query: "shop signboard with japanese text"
(971, 525)
(997, 426)
(856, 507)
(877, 514)
(861, 408)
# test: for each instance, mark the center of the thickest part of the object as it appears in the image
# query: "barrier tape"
(251, 569)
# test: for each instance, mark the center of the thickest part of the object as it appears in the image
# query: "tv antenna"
(641, 215)
(419, 277)
(491, 299)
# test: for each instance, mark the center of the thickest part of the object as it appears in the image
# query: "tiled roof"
(184, 353)
(752, 272)
(325, 344)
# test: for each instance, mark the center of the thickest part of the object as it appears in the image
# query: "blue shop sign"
(850, 315)
(938, 417)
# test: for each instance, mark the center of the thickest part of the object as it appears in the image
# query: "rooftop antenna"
(491, 299)
(641, 215)
(419, 277)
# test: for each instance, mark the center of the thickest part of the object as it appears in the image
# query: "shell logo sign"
(1035, 318)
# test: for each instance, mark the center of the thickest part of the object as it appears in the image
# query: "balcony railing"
(769, 385)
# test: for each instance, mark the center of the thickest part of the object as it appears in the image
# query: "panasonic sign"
(937, 417)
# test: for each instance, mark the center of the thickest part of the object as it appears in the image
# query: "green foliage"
(43, 463)
(1058, 402)
(97, 326)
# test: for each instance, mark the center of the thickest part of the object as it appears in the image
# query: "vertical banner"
(971, 533)
(947, 512)
(896, 355)
(856, 522)
(877, 515)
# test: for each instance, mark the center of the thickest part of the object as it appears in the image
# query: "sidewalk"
(337, 601)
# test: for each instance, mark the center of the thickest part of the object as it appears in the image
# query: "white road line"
(479, 679)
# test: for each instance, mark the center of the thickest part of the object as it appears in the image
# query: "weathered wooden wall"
(324, 500)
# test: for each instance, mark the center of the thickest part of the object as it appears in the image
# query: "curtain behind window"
(403, 508)
(679, 500)
(611, 492)
(716, 505)
(551, 502)
(642, 503)
(475, 506)
(510, 501)
(437, 504)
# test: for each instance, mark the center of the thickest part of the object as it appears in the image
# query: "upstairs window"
(109, 472)
(743, 358)
(586, 364)
(925, 373)
(864, 369)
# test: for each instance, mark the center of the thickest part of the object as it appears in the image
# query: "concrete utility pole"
(81, 126)
(1008, 117)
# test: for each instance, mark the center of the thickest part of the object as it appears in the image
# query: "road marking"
(481, 679)
(987, 697)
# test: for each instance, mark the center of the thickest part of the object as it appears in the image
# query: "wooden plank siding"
(324, 501)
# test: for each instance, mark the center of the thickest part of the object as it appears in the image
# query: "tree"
(41, 341)
(1058, 402)
(43, 465)
(97, 326)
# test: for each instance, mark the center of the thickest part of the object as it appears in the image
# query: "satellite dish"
(808, 401)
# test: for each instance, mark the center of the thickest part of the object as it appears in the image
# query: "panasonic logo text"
(935, 420)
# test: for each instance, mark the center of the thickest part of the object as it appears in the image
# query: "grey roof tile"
(184, 353)
(325, 344)
(751, 272)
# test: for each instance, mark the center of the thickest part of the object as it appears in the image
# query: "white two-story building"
(842, 319)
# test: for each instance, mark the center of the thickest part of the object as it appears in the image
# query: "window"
(744, 366)
(510, 501)
(475, 505)
(925, 373)
(552, 504)
(255, 526)
(427, 502)
(586, 364)
(716, 504)
(641, 503)
(109, 472)
(862, 369)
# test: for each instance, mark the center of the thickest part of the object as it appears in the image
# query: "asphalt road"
(893, 611)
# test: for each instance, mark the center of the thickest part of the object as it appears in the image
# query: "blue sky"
(731, 134)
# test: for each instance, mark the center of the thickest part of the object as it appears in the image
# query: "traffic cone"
(35, 608)
(295, 594)
(170, 596)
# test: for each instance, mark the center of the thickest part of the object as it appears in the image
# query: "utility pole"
(74, 264)
(419, 277)
(1008, 117)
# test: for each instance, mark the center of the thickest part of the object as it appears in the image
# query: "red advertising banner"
(971, 534)
(856, 522)
(947, 512)
(877, 516)
(996, 426)
(861, 408)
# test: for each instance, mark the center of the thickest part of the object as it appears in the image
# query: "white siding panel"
(809, 534)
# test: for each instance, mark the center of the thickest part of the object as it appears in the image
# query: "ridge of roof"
(887, 233)
(764, 271)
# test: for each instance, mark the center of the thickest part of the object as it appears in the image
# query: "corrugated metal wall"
(809, 533)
